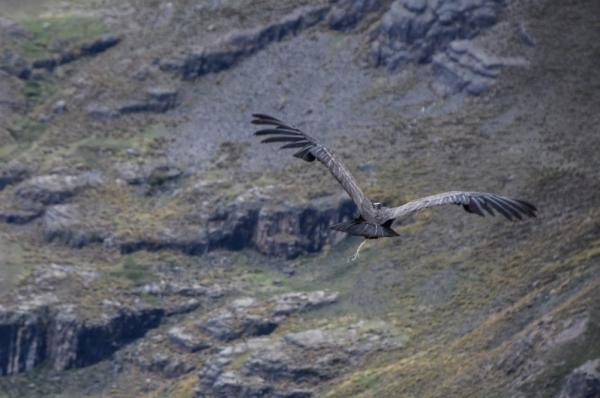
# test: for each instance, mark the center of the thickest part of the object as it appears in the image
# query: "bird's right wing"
(310, 149)
(472, 202)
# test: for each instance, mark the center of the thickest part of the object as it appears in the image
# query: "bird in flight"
(375, 220)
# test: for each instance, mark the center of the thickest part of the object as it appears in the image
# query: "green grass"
(25, 131)
(53, 34)
(15, 266)
(134, 270)
(38, 90)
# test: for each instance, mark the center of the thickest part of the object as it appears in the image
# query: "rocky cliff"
(150, 246)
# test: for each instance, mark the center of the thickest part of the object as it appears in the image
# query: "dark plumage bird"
(374, 220)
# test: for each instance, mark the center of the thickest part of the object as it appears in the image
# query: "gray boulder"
(243, 318)
(55, 188)
(67, 224)
(13, 173)
(12, 28)
(289, 303)
(230, 384)
(583, 382)
(153, 173)
(168, 364)
(19, 216)
(465, 67)
(187, 340)
(247, 317)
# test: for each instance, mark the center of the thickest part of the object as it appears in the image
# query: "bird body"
(374, 220)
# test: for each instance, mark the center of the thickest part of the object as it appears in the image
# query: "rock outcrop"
(287, 230)
(12, 174)
(54, 188)
(23, 339)
(74, 344)
(41, 332)
(14, 64)
(240, 44)
(12, 28)
(155, 100)
(293, 365)
(346, 14)
(93, 47)
(583, 382)
(64, 223)
(464, 66)
(148, 173)
(414, 30)
(19, 216)
(177, 350)
(249, 317)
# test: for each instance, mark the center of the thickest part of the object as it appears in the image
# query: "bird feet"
(356, 254)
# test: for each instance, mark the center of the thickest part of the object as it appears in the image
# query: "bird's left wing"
(472, 202)
(310, 149)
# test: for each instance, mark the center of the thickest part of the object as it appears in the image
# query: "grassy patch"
(24, 131)
(15, 266)
(37, 90)
(54, 34)
(134, 270)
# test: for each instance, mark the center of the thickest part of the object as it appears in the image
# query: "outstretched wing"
(310, 149)
(472, 202)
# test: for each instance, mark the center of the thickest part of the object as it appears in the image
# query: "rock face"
(186, 340)
(12, 174)
(244, 317)
(12, 28)
(288, 231)
(345, 14)
(247, 317)
(23, 339)
(151, 173)
(156, 100)
(64, 223)
(94, 47)
(19, 216)
(73, 344)
(241, 44)
(40, 333)
(15, 65)
(463, 66)
(284, 231)
(290, 366)
(414, 30)
(583, 382)
(54, 188)
(289, 303)
(177, 350)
